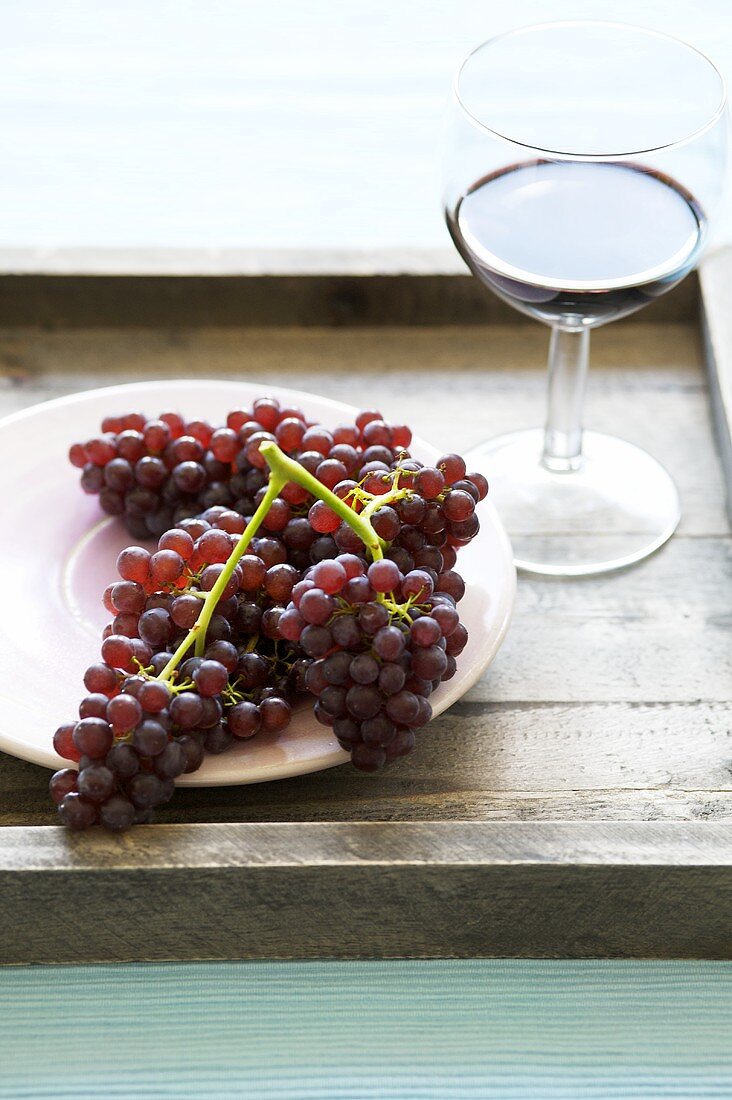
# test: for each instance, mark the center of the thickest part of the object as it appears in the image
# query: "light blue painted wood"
(242, 124)
(437, 1030)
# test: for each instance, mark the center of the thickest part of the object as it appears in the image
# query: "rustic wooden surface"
(611, 696)
(463, 889)
(716, 278)
(160, 290)
(609, 702)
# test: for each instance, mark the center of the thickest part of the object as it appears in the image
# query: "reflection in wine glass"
(585, 163)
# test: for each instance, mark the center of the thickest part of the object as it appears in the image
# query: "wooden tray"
(577, 802)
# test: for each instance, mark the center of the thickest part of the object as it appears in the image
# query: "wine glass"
(585, 163)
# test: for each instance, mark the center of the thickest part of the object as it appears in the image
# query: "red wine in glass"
(559, 239)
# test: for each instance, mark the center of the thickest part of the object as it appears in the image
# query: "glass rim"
(567, 154)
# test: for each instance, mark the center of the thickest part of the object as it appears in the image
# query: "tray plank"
(220, 287)
(610, 700)
(495, 373)
(357, 890)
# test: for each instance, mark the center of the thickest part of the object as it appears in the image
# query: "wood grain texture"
(354, 890)
(496, 380)
(213, 262)
(484, 761)
(656, 635)
(478, 1029)
(608, 707)
(716, 276)
(360, 844)
(330, 290)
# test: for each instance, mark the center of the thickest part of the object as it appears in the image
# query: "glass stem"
(569, 353)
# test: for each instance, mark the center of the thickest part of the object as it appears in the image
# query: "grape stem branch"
(281, 464)
(197, 633)
(283, 469)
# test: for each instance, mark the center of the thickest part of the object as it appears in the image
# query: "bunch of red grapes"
(306, 609)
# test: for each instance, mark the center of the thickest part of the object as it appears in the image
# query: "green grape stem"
(283, 469)
(281, 464)
(197, 634)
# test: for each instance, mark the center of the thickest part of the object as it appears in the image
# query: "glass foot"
(615, 509)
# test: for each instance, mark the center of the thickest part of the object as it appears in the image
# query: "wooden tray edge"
(252, 289)
(471, 889)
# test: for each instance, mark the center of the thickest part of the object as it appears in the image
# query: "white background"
(275, 123)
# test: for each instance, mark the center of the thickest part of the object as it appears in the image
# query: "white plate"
(58, 555)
